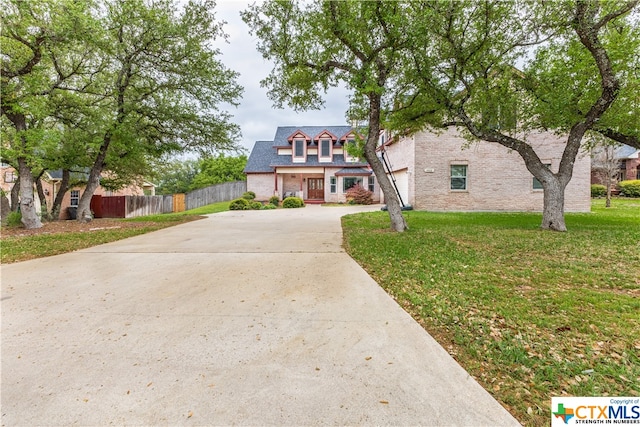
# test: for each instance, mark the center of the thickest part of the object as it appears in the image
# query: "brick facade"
(496, 178)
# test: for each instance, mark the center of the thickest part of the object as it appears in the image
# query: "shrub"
(358, 195)
(256, 206)
(274, 200)
(239, 205)
(249, 195)
(14, 219)
(268, 206)
(598, 190)
(630, 188)
(292, 202)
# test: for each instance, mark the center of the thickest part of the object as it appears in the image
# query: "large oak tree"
(318, 45)
(45, 49)
(159, 88)
(108, 86)
(497, 70)
(582, 78)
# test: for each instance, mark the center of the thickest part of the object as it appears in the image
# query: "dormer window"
(299, 142)
(348, 150)
(325, 148)
(325, 141)
(298, 148)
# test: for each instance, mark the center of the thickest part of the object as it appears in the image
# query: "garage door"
(402, 182)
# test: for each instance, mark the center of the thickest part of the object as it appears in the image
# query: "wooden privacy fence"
(133, 206)
(126, 206)
(178, 202)
(214, 193)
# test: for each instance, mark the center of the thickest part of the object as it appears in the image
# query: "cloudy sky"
(256, 115)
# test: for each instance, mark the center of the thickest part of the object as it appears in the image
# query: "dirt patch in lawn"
(70, 226)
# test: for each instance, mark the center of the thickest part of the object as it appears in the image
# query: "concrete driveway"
(247, 318)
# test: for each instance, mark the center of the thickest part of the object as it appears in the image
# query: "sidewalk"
(245, 318)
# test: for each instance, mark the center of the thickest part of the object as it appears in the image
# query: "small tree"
(606, 166)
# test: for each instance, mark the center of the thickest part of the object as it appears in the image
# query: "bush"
(630, 188)
(249, 195)
(239, 205)
(358, 195)
(256, 206)
(268, 206)
(292, 202)
(274, 200)
(14, 219)
(598, 190)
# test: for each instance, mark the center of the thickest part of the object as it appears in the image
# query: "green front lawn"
(530, 314)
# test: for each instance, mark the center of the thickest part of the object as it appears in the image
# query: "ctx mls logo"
(564, 413)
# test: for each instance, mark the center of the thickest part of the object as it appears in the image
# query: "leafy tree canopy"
(219, 169)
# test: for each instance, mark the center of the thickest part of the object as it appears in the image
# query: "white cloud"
(256, 115)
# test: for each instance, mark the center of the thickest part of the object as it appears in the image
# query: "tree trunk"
(64, 187)
(44, 211)
(30, 218)
(15, 196)
(398, 223)
(553, 209)
(84, 204)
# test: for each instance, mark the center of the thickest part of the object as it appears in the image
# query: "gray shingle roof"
(354, 172)
(626, 152)
(261, 158)
(284, 132)
(264, 156)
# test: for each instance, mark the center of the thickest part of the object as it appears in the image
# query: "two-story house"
(310, 162)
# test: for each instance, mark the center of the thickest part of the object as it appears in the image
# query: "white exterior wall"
(401, 158)
(497, 179)
(263, 184)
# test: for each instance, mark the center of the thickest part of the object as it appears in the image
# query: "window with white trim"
(10, 176)
(325, 148)
(75, 197)
(350, 181)
(458, 177)
(333, 184)
(350, 146)
(298, 147)
(372, 183)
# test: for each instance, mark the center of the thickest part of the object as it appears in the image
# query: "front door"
(315, 188)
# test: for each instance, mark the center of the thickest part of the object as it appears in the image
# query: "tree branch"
(613, 15)
(630, 140)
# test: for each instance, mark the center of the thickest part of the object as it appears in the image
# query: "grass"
(22, 248)
(530, 314)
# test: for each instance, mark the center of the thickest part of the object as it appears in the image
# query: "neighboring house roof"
(627, 152)
(264, 157)
(56, 175)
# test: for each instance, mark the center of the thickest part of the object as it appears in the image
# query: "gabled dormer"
(349, 140)
(325, 142)
(299, 142)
